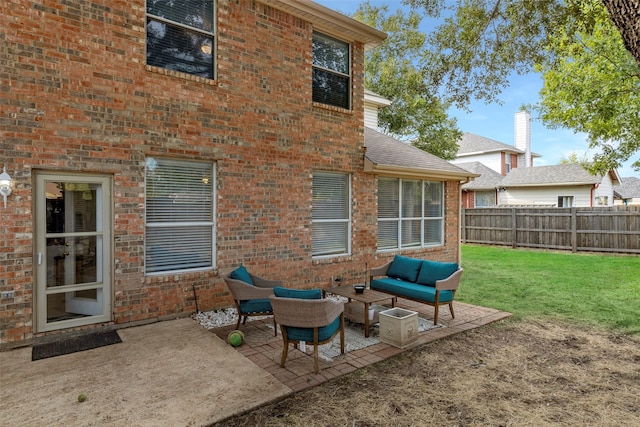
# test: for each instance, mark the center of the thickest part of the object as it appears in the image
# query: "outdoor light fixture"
(5, 185)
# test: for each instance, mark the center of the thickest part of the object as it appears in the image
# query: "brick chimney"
(522, 135)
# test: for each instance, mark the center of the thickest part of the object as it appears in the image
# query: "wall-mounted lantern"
(5, 185)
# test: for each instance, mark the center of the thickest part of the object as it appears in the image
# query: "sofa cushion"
(241, 273)
(404, 268)
(410, 290)
(281, 292)
(434, 270)
(256, 306)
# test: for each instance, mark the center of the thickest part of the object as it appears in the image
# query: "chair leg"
(244, 321)
(239, 320)
(275, 327)
(435, 315)
(285, 347)
(451, 310)
(316, 369)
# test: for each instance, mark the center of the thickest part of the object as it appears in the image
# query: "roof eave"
(331, 22)
(403, 172)
(550, 184)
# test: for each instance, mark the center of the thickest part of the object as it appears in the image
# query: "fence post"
(574, 230)
(463, 226)
(514, 232)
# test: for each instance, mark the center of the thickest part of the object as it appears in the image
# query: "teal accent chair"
(251, 294)
(307, 318)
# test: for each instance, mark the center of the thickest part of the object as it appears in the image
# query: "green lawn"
(593, 288)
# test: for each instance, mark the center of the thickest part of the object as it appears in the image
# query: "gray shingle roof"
(570, 174)
(383, 150)
(488, 179)
(629, 187)
(471, 143)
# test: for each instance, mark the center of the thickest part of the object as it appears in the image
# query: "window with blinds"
(179, 215)
(331, 214)
(410, 213)
(331, 71)
(180, 36)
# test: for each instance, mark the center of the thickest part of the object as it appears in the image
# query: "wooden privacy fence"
(599, 229)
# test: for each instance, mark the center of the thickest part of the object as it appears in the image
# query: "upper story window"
(507, 162)
(331, 71)
(180, 36)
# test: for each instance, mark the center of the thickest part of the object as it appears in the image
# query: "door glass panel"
(73, 305)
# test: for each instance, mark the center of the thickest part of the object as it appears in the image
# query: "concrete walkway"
(176, 373)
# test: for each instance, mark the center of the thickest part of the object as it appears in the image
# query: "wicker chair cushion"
(256, 306)
(281, 292)
(241, 273)
(306, 334)
(404, 268)
(434, 270)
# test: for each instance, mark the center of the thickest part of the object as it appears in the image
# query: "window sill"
(180, 75)
(332, 108)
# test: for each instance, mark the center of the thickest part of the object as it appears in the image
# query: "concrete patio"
(177, 373)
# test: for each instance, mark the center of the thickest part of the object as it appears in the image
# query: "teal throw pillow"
(281, 292)
(404, 268)
(435, 270)
(241, 273)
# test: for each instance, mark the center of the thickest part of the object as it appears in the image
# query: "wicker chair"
(315, 321)
(251, 299)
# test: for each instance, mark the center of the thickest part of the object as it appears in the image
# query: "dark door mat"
(73, 345)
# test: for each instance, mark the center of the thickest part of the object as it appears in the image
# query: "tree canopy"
(481, 43)
(417, 114)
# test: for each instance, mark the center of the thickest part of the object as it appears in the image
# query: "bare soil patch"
(533, 373)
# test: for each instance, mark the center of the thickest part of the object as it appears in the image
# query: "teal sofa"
(429, 282)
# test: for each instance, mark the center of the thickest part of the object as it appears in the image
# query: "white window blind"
(331, 214)
(410, 213)
(179, 215)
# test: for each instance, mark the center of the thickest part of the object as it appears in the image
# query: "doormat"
(74, 345)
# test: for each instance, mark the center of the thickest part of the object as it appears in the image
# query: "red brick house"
(155, 146)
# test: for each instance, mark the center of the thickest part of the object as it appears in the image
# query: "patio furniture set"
(308, 316)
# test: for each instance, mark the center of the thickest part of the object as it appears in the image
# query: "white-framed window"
(410, 213)
(602, 200)
(180, 36)
(507, 162)
(331, 71)
(565, 201)
(484, 199)
(331, 214)
(179, 215)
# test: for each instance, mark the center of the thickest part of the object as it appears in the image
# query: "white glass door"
(73, 250)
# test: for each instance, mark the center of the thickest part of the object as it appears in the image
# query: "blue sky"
(496, 121)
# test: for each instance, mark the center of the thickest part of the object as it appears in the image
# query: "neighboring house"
(500, 157)
(627, 192)
(154, 149)
(482, 192)
(564, 186)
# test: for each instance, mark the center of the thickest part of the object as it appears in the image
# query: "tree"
(625, 14)
(592, 86)
(573, 158)
(417, 114)
(481, 43)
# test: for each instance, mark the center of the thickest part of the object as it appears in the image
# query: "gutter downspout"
(468, 179)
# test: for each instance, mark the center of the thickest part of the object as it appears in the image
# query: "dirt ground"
(534, 373)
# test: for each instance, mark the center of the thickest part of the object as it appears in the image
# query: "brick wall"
(76, 96)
